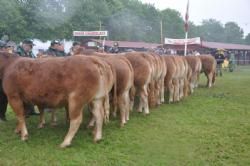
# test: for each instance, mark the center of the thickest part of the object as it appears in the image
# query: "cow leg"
(18, 108)
(92, 120)
(42, 118)
(213, 79)
(158, 92)
(144, 97)
(98, 116)
(171, 91)
(182, 84)
(53, 117)
(91, 123)
(127, 105)
(187, 87)
(162, 91)
(122, 108)
(67, 114)
(196, 80)
(176, 90)
(75, 116)
(210, 78)
(132, 92)
(191, 86)
(140, 107)
(107, 109)
(151, 94)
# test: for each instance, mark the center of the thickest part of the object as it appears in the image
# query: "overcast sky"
(222, 10)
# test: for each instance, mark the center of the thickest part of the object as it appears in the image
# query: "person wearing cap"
(56, 49)
(75, 47)
(220, 57)
(3, 97)
(25, 49)
(115, 48)
(11, 46)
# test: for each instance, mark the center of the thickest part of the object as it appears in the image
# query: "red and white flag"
(187, 17)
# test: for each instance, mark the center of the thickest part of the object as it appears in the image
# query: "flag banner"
(190, 41)
(90, 33)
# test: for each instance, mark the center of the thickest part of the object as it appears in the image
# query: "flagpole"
(186, 28)
(185, 50)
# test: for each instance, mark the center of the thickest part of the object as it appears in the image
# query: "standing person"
(25, 50)
(220, 57)
(56, 49)
(3, 97)
(75, 48)
(115, 48)
(11, 47)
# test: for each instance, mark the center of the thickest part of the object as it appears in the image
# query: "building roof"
(128, 44)
(227, 46)
(204, 44)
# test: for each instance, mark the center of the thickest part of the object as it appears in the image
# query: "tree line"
(124, 19)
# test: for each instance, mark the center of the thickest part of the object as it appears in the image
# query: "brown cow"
(162, 78)
(179, 78)
(195, 64)
(124, 80)
(187, 79)
(142, 77)
(158, 79)
(152, 87)
(55, 82)
(209, 68)
(169, 78)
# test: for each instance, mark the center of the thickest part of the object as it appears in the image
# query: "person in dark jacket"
(56, 49)
(115, 48)
(25, 50)
(220, 57)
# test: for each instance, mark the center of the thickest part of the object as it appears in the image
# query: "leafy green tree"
(233, 33)
(173, 24)
(12, 22)
(212, 30)
(247, 39)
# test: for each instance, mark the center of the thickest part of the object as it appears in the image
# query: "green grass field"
(211, 127)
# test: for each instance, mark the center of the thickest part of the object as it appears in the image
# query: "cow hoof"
(17, 131)
(106, 120)
(65, 145)
(90, 126)
(139, 111)
(41, 126)
(97, 140)
(24, 138)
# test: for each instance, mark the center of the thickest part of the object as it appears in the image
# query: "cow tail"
(114, 101)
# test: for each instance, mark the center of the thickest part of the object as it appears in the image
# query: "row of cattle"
(103, 81)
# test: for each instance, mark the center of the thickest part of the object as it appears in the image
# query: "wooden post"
(161, 34)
